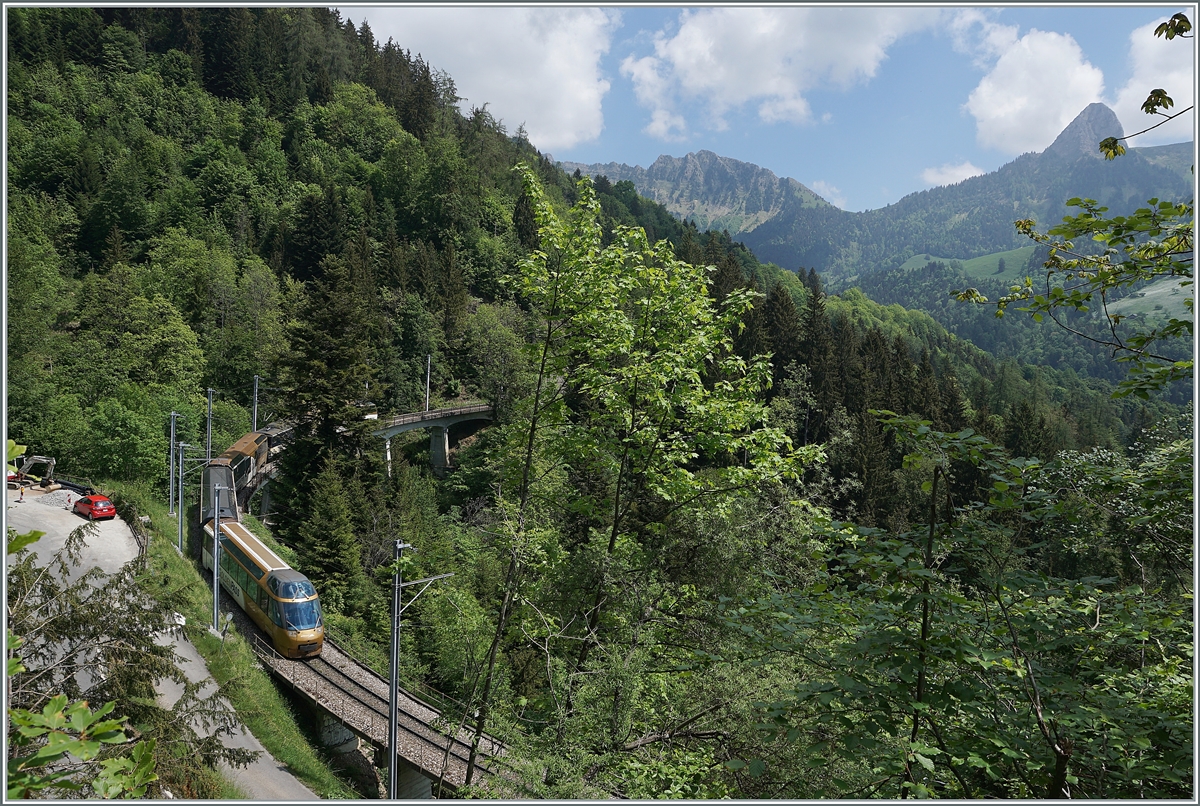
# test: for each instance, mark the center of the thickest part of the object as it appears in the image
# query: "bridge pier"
(264, 501)
(334, 735)
(349, 753)
(439, 449)
(410, 783)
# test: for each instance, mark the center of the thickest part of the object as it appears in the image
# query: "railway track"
(358, 697)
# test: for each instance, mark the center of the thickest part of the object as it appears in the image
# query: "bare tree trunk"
(514, 563)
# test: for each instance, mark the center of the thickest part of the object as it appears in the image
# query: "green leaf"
(17, 542)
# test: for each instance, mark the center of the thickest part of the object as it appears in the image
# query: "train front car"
(297, 616)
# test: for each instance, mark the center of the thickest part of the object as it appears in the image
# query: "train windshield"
(302, 615)
(296, 589)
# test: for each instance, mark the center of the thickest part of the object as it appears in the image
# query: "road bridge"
(438, 421)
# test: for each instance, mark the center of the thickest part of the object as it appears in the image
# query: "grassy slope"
(984, 266)
(259, 704)
(1163, 297)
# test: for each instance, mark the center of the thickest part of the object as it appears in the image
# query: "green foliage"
(1154, 242)
(974, 630)
(56, 741)
(61, 729)
(676, 775)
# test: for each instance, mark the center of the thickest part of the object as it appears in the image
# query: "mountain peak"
(1083, 135)
(715, 192)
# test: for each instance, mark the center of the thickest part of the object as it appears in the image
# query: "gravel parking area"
(57, 498)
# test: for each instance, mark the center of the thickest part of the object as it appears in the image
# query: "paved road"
(111, 547)
(265, 778)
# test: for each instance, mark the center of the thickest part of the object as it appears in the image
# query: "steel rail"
(450, 768)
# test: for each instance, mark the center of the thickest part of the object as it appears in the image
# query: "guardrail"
(433, 414)
(127, 511)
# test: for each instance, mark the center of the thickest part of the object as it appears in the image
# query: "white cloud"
(1036, 87)
(1157, 63)
(537, 66)
(829, 193)
(990, 42)
(949, 174)
(728, 57)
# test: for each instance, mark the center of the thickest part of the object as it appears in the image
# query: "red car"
(93, 507)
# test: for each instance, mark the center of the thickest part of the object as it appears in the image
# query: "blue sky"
(862, 104)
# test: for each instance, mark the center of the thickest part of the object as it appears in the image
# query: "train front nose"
(307, 643)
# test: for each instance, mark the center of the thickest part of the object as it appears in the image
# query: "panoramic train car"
(244, 457)
(278, 434)
(280, 600)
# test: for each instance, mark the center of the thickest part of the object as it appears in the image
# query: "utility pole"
(208, 443)
(398, 586)
(428, 365)
(216, 569)
(182, 515)
(171, 469)
(393, 693)
(254, 417)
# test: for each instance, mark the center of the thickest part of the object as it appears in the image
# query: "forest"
(729, 535)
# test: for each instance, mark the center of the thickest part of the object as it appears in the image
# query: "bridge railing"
(452, 710)
(433, 414)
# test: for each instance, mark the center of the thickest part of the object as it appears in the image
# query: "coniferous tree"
(524, 224)
(901, 391)
(454, 297)
(418, 107)
(783, 332)
(816, 352)
(954, 404)
(688, 250)
(325, 540)
(329, 363)
(813, 281)
(847, 364)
(229, 43)
(319, 231)
(1026, 432)
(927, 398)
(729, 274)
(753, 339)
(875, 497)
(423, 273)
(393, 261)
(877, 370)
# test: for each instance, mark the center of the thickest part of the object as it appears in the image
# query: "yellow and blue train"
(279, 599)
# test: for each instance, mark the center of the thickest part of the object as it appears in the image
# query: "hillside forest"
(729, 535)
